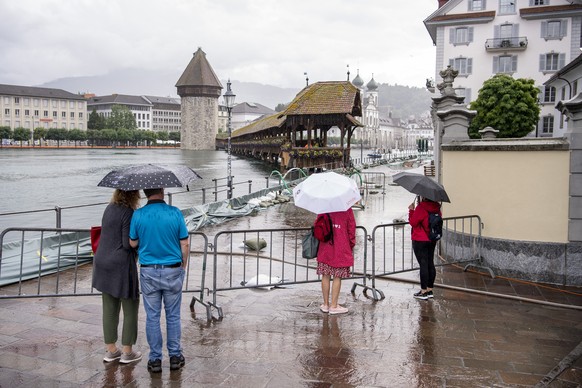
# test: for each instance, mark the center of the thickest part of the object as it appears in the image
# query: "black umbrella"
(421, 185)
(149, 176)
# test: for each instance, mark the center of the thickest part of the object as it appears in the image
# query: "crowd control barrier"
(55, 262)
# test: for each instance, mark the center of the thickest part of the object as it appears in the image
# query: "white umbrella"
(326, 192)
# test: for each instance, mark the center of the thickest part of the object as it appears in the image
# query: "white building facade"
(33, 107)
(523, 38)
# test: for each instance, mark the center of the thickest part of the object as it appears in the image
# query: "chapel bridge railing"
(52, 262)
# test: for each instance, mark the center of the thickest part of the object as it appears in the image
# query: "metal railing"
(51, 262)
(277, 262)
(391, 251)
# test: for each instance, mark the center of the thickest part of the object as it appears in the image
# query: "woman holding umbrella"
(115, 275)
(422, 245)
(429, 194)
(331, 194)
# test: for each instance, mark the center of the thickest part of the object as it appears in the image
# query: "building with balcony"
(33, 107)
(523, 38)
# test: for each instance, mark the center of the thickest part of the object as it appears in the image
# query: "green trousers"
(111, 308)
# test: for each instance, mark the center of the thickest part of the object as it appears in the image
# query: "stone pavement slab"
(279, 338)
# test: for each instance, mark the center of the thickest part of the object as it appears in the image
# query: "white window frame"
(547, 125)
(549, 94)
(457, 36)
(554, 29)
(463, 65)
(552, 62)
(536, 3)
(506, 7)
(477, 5)
(497, 60)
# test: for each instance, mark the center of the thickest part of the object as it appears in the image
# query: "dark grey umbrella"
(149, 176)
(421, 185)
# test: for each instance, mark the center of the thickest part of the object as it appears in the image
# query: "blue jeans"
(165, 285)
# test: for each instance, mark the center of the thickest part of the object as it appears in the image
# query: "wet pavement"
(476, 332)
(279, 338)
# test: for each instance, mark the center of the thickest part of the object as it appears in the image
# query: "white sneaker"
(126, 358)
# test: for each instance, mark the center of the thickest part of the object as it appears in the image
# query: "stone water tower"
(199, 89)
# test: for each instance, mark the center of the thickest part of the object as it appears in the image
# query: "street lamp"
(229, 102)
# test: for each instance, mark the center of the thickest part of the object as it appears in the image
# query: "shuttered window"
(554, 29)
(505, 64)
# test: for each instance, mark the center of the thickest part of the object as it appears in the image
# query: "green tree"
(149, 137)
(175, 136)
(58, 134)
(125, 135)
(506, 104)
(280, 107)
(39, 133)
(5, 133)
(109, 135)
(121, 118)
(96, 121)
(21, 134)
(163, 135)
(77, 135)
(94, 136)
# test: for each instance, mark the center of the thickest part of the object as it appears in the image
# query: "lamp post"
(229, 102)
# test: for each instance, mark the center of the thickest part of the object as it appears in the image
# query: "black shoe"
(155, 366)
(430, 294)
(176, 362)
(421, 295)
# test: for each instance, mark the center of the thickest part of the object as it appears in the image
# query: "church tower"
(199, 89)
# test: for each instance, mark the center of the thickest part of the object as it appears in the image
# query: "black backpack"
(435, 226)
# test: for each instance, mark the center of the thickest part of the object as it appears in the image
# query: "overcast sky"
(267, 41)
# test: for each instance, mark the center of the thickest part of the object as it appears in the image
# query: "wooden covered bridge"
(297, 137)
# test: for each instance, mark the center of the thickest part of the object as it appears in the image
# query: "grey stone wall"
(199, 123)
(543, 262)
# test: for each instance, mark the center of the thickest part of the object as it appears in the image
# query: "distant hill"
(403, 101)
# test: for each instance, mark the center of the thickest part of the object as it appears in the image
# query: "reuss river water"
(39, 179)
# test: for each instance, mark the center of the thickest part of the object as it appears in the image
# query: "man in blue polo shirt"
(159, 233)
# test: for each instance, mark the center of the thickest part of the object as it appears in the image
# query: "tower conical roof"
(198, 78)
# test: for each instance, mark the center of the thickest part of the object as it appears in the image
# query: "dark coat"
(114, 264)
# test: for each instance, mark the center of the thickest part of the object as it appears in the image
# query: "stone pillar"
(573, 110)
(447, 99)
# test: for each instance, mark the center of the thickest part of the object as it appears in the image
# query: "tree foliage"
(508, 105)
(175, 136)
(58, 134)
(96, 121)
(21, 134)
(121, 118)
(280, 107)
(5, 132)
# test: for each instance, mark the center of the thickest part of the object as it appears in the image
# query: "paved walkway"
(279, 338)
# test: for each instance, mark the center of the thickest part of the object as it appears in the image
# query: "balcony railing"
(503, 44)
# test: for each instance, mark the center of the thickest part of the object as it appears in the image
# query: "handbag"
(95, 236)
(309, 245)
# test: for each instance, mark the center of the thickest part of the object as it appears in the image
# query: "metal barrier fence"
(391, 250)
(51, 262)
(276, 262)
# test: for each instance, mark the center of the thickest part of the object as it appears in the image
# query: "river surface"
(42, 179)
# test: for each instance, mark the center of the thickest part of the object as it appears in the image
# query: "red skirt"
(326, 269)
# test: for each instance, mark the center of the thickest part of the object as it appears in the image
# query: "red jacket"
(418, 219)
(339, 253)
